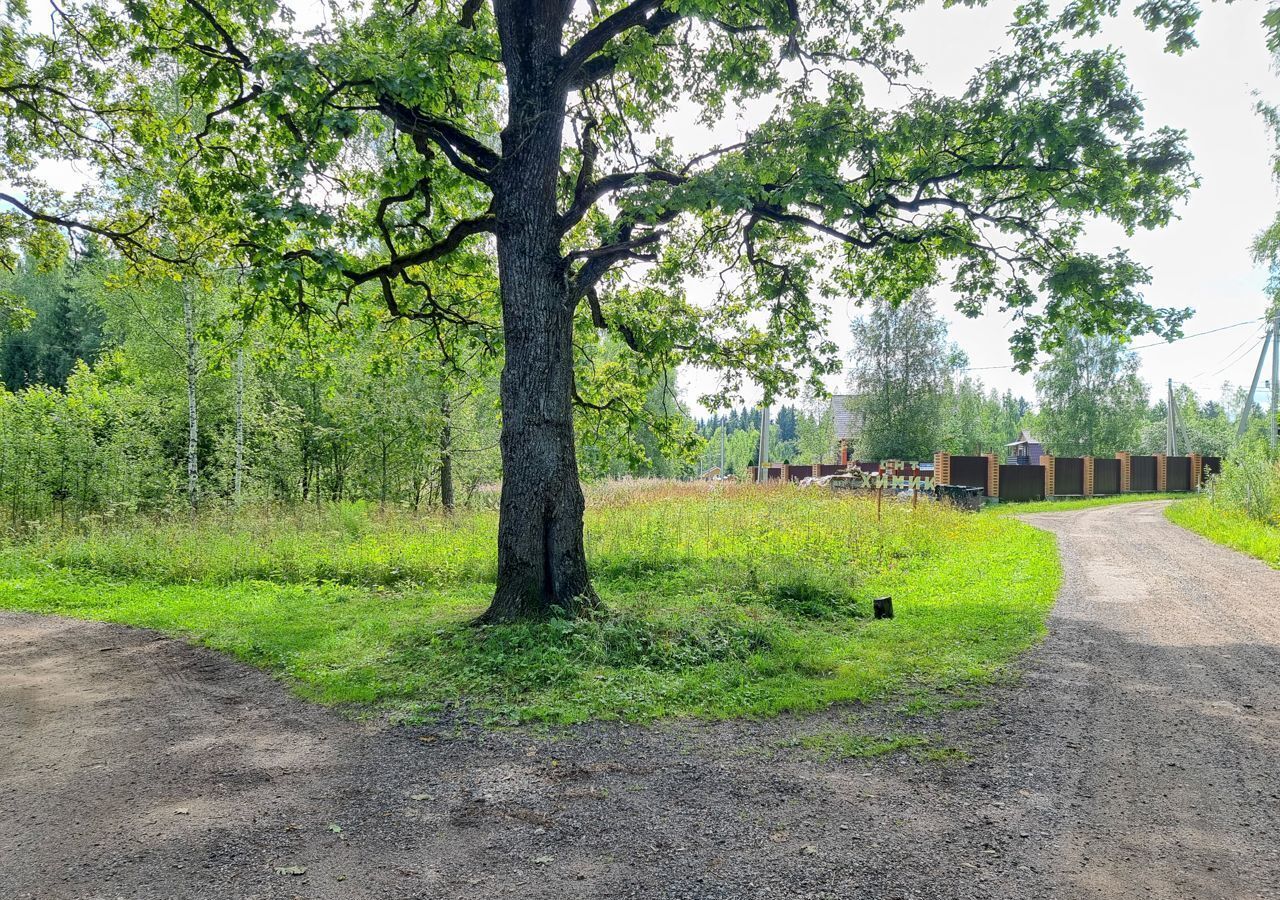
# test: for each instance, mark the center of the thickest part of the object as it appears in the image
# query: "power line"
(1140, 346)
(1197, 334)
(1250, 344)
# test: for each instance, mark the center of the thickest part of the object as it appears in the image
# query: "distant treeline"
(797, 434)
(121, 393)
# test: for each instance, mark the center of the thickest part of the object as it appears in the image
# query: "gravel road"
(1137, 756)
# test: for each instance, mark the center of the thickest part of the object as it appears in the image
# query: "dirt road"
(1138, 757)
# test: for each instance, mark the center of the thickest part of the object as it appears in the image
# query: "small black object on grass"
(883, 607)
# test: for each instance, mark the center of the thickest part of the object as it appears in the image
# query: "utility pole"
(1186, 441)
(762, 471)
(1170, 426)
(723, 429)
(1275, 372)
(1267, 341)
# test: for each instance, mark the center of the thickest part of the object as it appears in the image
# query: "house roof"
(1024, 437)
(848, 421)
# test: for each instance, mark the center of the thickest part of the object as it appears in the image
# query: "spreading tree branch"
(584, 63)
(456, 144)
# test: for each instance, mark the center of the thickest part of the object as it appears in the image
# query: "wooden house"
(1025, 451)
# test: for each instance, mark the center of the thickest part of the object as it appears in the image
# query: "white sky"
(1203, 259)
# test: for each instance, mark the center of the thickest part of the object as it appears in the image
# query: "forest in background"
(120, 395)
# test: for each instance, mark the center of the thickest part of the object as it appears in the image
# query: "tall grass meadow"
(716, 599)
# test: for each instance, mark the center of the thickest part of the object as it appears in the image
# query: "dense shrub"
(1249, 483)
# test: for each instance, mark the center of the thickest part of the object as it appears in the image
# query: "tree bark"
(238, 476)
(446, 453)
(193, 422)
(542, 566)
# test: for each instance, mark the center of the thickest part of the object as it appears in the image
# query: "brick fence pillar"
(1197, 471)
(993, 475)
(1162, 473)
(786, 472)
(1088, 476)
(1050, 474)
(1125, 470)
(942, 468)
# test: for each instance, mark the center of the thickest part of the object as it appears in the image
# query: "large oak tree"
(408, 149)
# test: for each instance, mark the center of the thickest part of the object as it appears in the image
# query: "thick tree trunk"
(542, 565)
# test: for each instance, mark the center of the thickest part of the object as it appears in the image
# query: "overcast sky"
(1203, 259)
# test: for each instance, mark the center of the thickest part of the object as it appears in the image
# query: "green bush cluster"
(1241, 507)
(1250, 484)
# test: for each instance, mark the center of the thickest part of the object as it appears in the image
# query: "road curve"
(1138, 756)
(1157, 713)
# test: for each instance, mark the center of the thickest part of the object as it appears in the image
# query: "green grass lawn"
(1229, 527)
(1038, 506)
(718, 601)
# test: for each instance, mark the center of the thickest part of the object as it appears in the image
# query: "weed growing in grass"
(934, 703)
(346, 544)
(802, 590)
(832, 744)
(943, 755)
(718, 601)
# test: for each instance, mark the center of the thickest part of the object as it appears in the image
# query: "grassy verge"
(1228, 527)
(837, 744)
(717, 602)
(1037, 506)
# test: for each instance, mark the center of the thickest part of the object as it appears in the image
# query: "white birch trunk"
(193, 423)
(238, 475)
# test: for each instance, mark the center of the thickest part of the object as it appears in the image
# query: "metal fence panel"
(1068, 476)
(1106, 476)
(970, 471)
(1212, 466)
(1021, 482)
(1178, 473)
(1142, 474)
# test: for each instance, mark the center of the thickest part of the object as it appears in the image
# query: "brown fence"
(1211, 465)
(969, 471)
(1178, 473)
(1068, 476)
(1147, 474)
(1106, 476)
(1021, 482)
(1143, 474)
